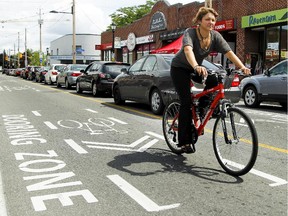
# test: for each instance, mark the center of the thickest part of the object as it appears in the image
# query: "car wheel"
(251, 97)
(156, 102)
(67, 85)
(117, 96)
(94, 89)
(78, 89)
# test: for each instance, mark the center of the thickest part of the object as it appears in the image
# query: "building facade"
(256, 30)
(85, 49)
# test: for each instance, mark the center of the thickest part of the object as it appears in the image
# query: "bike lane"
(64, 173)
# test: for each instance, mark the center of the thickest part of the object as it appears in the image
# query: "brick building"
(256, 30)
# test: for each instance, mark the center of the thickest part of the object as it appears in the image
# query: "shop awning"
(173, 47)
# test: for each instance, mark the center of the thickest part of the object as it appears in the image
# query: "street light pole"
(74, 34)
(73, 30)
(113, 26)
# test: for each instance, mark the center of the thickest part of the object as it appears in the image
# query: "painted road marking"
(75, 146)
(277, 181)
(117, 120)
(155, 134)
(123, 147)
(90, 110)
(36, 113)
(138, 196)
(50, 125)
(64, 198)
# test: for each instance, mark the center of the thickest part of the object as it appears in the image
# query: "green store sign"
(265, 18)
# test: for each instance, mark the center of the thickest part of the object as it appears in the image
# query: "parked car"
(148, 81)
(269, 86)
(69, 75)
(50, 76)
(98, 77)
(40, 74)
(19, 71)
(32, 72)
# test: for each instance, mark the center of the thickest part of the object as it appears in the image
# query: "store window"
(273, 42)
(284, 53)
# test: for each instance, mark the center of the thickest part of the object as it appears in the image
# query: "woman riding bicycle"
(197, 44)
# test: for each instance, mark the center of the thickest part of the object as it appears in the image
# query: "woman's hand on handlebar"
(202, 71)
(246, 71)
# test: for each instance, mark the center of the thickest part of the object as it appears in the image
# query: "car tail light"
(54, 73)
(75, 74)
(236, 81)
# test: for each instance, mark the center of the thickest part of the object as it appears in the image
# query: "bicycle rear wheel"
(236, 152)
(170, 126)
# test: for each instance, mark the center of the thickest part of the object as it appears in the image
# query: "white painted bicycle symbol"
(95, 126)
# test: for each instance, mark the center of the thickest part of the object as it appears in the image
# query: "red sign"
(224, 25)
(98, 47)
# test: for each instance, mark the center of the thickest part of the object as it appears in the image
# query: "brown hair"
(202, 12)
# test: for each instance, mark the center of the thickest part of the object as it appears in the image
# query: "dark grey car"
(148, 81)
(269, 86)
(98, 77)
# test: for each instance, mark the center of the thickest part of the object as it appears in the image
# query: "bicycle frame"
(220, 95)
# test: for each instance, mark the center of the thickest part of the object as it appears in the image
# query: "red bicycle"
(235, 140)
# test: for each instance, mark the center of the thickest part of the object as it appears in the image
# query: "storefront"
(270, 30)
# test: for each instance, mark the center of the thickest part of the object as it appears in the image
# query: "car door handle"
(283, 78)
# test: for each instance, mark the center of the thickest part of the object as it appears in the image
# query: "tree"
(127, 15)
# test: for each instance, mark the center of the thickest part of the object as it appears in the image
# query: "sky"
(92, 17)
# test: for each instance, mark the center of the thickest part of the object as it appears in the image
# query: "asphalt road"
(68, 154)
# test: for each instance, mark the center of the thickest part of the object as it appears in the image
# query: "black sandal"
(188, 148)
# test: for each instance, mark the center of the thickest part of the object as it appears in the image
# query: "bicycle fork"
(224, 114)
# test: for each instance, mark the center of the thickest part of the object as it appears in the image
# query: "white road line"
(36, 113)
(3, 210)
(155, 134)
(138, 196)
(148, 145)
(117, 120)
(50, 125)
(90, 110)
(75, 146)
(110, 148)
(277, 181)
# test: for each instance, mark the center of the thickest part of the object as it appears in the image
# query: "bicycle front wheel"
(235, 142)
(170, 126)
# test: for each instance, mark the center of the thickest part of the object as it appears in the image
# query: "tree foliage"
(127, 15)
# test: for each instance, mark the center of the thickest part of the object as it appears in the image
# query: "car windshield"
(78, 67)
(59, 67)
(114, 68)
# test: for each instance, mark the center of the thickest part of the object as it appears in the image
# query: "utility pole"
(40, 21)
(18, 57)
(74, 34)
(26, 48)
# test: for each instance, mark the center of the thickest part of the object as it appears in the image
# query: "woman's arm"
(232, 57)
(192, 61)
